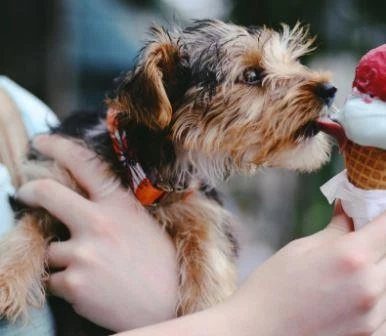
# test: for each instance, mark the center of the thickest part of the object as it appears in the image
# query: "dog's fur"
(201, 104)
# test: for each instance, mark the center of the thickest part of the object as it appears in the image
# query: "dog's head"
(238, 96)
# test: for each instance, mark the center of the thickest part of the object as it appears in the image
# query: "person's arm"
(328, 284)
(210, 322)
(331, 283)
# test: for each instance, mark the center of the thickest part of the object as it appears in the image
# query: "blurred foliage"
(142, 3)
(354, 25)
(272, 13)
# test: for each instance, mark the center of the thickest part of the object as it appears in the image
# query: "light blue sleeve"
(37, 118)
(6, 189)
(40, 324)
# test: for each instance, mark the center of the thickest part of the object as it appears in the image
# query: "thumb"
(340, 223)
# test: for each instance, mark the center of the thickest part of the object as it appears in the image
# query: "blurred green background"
(68, 52)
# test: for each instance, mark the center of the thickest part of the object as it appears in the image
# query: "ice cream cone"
(360, 130)
(366, 166)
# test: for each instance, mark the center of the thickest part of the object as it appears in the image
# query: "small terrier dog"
(202, 103)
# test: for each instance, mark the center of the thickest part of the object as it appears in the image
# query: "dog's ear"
(144, 93)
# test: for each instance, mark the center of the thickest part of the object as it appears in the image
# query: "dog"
(202, 103)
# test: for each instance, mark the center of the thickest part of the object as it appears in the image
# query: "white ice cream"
(364, 120)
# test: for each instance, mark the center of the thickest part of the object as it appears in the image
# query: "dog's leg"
(205, 258)
(22, 268)
(199, 228)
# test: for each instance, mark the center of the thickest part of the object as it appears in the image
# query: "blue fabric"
(40, 323)
(37, 118)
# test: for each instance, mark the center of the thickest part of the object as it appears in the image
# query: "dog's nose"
(326, 92)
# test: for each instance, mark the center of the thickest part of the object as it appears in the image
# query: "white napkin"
(361, 205)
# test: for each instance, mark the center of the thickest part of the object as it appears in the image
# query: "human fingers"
(60, 284)
(338, 209)
(58, 256)
(63, 203)
(374, 236)
(339, 225)
(381, 331)
(370, 299)
(87, 169)
(375, 322)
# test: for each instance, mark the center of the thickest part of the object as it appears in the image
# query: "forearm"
(210, 322)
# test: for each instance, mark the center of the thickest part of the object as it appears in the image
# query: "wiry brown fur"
(194, 116)
(21, 281)
(205, 255)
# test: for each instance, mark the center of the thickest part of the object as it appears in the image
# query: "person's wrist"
(239, 320)
(249, 311)
(218, 321)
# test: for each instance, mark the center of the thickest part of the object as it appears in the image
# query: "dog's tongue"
(334, 129)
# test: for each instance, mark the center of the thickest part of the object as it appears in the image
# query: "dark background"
(67, 52)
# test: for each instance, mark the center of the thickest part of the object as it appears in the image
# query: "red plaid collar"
(140, 184)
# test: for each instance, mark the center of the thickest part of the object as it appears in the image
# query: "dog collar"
(139, 182)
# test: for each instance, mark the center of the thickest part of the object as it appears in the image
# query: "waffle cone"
(366, 166)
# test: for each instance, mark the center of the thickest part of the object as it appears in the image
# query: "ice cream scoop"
(363, 117)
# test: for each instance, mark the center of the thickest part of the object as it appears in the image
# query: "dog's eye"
(254, 76)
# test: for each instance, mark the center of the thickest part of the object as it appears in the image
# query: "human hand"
(118, 269)
(331, 283)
